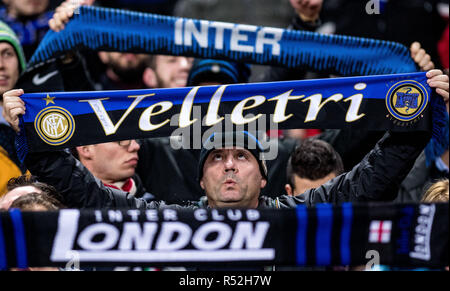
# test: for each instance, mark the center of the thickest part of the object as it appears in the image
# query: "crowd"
(312, 166)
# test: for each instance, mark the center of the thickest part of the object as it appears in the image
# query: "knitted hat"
(223, 72)
(241, 139)
(8, 35)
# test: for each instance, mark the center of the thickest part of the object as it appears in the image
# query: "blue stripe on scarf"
(302, 233)
(3, 261)
(19, 236)
(346, 231)
(126, 31)
(323, 234)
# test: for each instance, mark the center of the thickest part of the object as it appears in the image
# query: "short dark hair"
(313, 159)
(28, 180)
(28, 201)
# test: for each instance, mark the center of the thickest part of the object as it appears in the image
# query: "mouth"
(230, 182)
(132, 161)
(4, 80)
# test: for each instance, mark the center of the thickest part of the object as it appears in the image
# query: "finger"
(424, 61)
(415, 47)
(13, 117)
(443, 93)
(428, 67)
(433, 73)
(419, 56)
(439, 84)
(438, 78)
(53, 26)
(16, 104)
(10, 95)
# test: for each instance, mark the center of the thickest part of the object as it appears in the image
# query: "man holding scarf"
(375, 178)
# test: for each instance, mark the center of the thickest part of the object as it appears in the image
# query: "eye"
(7, 54)
(217, 157)
(241, 156)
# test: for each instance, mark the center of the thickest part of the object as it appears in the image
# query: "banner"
(98, 28)
(388, 102)
(410, 235)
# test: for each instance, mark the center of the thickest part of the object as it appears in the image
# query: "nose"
(134, 146)
(185, 63)
(230, 164)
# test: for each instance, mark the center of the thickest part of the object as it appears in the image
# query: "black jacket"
(375, 178)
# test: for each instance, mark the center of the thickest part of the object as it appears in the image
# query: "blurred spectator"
(167, 71)
(114, 163)
(123, 71)
(237, 11)
(206, 72)
(12, 63)
(437, 192)
(29, 20)
(164, 7)
(36, 202)
(313, 163)
(23, 185)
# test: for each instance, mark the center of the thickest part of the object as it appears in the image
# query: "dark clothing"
(418, 180)
(376, 178)
(351, 144)
(403, 21)
(67, 73)
(169, 174)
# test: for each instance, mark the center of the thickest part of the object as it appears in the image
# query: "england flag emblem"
(380, 231)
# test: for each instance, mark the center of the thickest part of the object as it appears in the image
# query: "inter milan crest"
(55, 125)
(406, 100)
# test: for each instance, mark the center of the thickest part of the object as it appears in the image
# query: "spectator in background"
(437, 192)
(12, 63)
(167, 71)
(114, 163)
(123, 71)
(206, 72)
(29, 20)
(23, 185)
(36, 202)
(313, 163)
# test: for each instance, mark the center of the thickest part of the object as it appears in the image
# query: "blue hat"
(223, 72)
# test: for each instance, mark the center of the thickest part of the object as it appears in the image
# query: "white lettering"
(109, 232)
(133, 235)
(169, 229)
(245, 235)
(199, 240)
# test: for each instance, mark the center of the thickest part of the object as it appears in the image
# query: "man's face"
(112, 162)
(303, 184)
(9, 67)
(26, 7)
(172, 71)
(128, 67)
(8, 198)
(232, 178)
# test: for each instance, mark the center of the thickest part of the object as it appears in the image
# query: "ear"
(263, 183)
(149, 78)
(202, 184)
(288, 189)
(85, 152)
